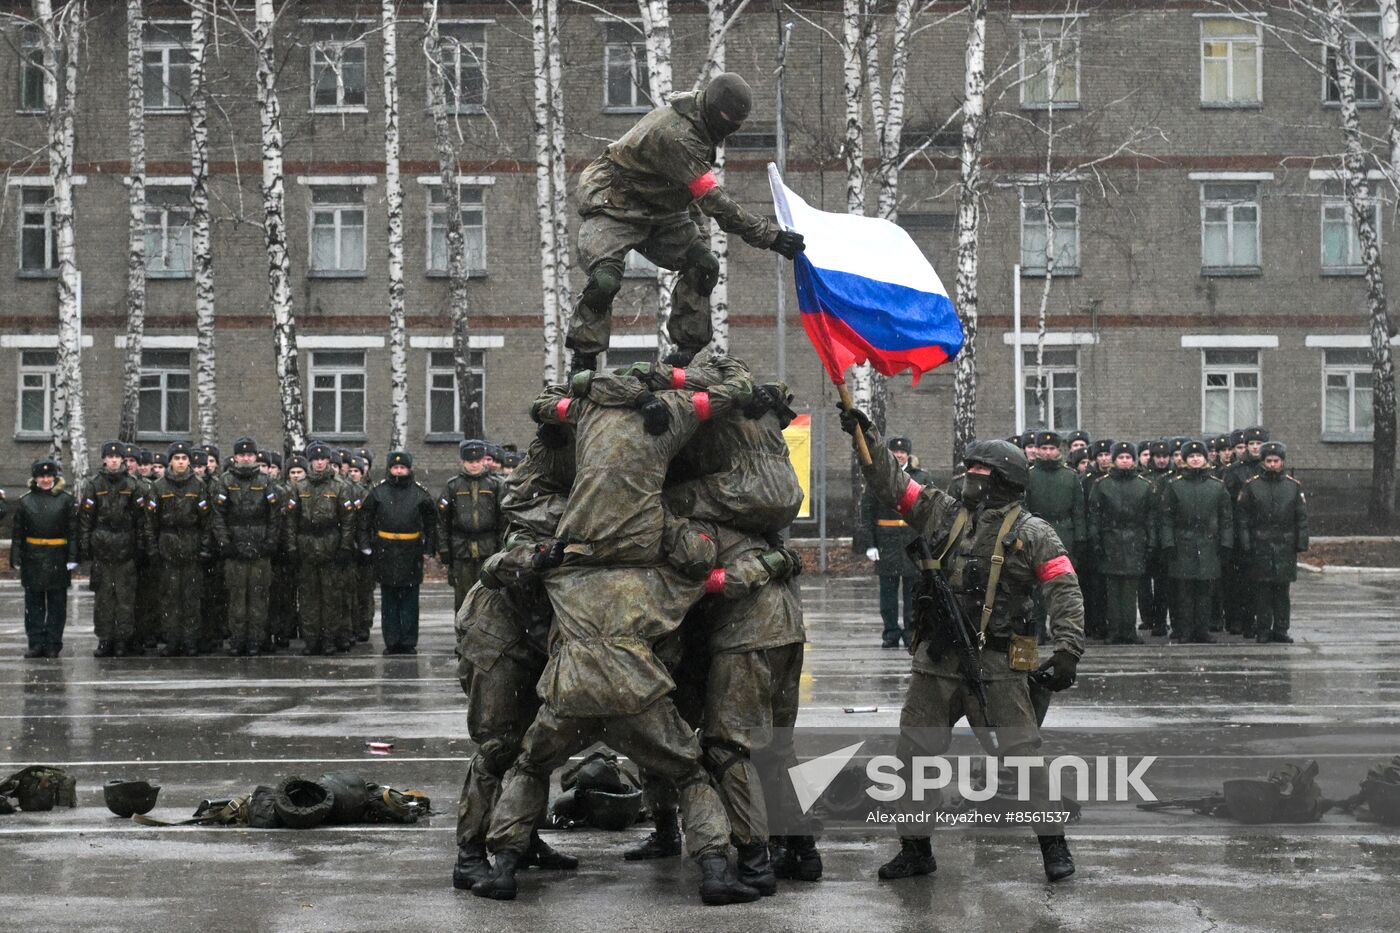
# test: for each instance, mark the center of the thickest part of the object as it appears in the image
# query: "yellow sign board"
(799, 441)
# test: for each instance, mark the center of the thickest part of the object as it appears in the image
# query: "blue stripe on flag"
(887, 316)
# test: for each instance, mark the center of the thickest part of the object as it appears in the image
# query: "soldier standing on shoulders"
(44, 549)
(889, 535)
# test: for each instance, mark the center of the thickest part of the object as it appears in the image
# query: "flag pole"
(846, 403)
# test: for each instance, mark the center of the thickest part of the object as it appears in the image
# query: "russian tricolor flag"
(866, 291)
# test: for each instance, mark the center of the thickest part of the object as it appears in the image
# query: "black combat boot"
(681, 356)
(583, 362)
(1059, 865)
(169, 651)
(123, 650)
(543, 855)
(471, 868)
(500, 886)
(755, 870)
(310, 651)
(1262, 637)
(1282, 638)
(778, 847)
(32, 653)
(664, 843)
(719, 886)
(807, 859)
(105, 649)
(915, 858)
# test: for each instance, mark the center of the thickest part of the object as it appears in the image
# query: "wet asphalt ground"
(214, 727)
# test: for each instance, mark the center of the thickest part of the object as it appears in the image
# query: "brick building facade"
(1206, 277)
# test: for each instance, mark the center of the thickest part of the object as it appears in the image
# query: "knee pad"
(702, 269)
(721, 755)
(604, 282)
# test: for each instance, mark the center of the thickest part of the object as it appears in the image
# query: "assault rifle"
(940, 609)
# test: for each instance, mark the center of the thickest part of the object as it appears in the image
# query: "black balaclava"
(725, 104)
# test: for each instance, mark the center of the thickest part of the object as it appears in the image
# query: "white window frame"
(1258, 38)
(637, 266)
(457, 46)
(49, 375)
(1349, 370)
(339, 271)
(1334, 201)
(164, 372)
(1230, 205)
(1057, 201)
(161, 232)
(430, 370)
(640, 95)
(1029, 374)
(1232, 370)
(30, 48)
(50, 267)
(329, 53)
(154, 41)
(437, 214)
(1356, 36)
(338, 371)
(1032, 33)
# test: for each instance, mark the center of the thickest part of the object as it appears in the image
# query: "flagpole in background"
(1017, 392)
(784, 33)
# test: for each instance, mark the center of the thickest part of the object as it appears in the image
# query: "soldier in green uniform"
(1154, 589)
(1122, 531)
(888, 536)
(1197, 534)
(1091, 581)
(397, 529)
(44, 549)
(637, 195)
(469, 519)
(1272, 526)
(995, 557)
(177, 532)
(321, 537)
(1079, 440)
(247, 526)
(214, 601)
(285, 622)
(109, 521)
(1055, 494)
(147, 572)
(1238, 602)
(362, 600)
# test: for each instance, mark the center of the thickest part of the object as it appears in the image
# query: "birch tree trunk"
(136, 221)
(202, 250)
(1047, 201)
(656, 30)
(393, 197)
(558, 155)
(717, 27)
(853, 77)
(544, 190)
(468, 406)
(284, 325)
(969, 226)
(1382, 505)
(1390, 58)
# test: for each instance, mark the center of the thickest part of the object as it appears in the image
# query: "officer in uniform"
(1154, 589)
(109, 519)
(1197, 535)
(321, 537)
(995, 556)
(247, 524)
(1272, 525)
(1091, 580)
(397, 527)
(888, 536)
(363, 597)
(1078, 440)
(637, 195)
(147, 566)
(468, 519)
(177, 531)
(1122, 531)
(1238, 601)
(44, 549)
(285, 621)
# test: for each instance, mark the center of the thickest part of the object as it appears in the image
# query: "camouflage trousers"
(364, 601)
(501, 704)
(657, 739)
(321, 603)
(214, 605)
(666, 243)
(181, 601)
(149, 622)
(282, 600)
(113, 585)
(463, 572)
(248, 584)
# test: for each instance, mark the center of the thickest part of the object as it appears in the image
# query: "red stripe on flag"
(701, 401)
(1053, 568)
(911, 495)
(841, 347)
(702, 185)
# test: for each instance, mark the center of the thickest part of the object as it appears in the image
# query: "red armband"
(701, 401)
(911, 495)
(702, 185)
(1053, 568)
(561, 408)
(714, 583)
(678, 378)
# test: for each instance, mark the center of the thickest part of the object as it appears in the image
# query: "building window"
(637, 266)
(338, 393)
(1364, 40)
(38, 370)
(1049, 63)
(1346, 395)
(473, 229)
(337, 230)
(38, 240)
(756, 136)
(165, 65)
(444, 414)
(626, 81)
(169, 233)
(31, 71)
(338, 68)
(1230, 62)
(1058, 377)
(1229, 390)
(165, 394)
(463, 47)
(1035, 232)
(1341, 247)
(1230, 227)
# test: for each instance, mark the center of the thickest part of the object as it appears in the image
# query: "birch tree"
(1390, 82)
(393, 198)
(202, 246)
(540, 29)
(853, 149)
(284, 325)
(136, 220)
(716, 61)
(469, 407)
(969, 225)
(563, 299)
(656, 31)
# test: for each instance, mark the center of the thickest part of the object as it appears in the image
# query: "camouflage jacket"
(248, 514)
(753, 485)
(321, 518)
(110, 514)
(1195, 522)
(469, 516)
(177, 516)
(748, 610)
(1271, 526)
(1122, 522)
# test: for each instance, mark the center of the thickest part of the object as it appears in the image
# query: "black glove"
(794, 562)
(656, 416)
(765, 398)
(788, 244)
(549, 555)
(553, 436)
(851, 418)
(1057, 673)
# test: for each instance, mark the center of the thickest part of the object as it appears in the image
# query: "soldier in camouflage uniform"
(1239, 601)
(986, 532)
(148, 624)
(215, 601)
(321, 537)
(1122, 532)
(362, 597)
(177, 532)
(1197, 535)
(886, 535)
(469, 519)
(1091, 579)
(247, 526)
(110, 514)
(1154, 589)
(638, 195)
(285, 621)
(1056, 495)
(1271, 521)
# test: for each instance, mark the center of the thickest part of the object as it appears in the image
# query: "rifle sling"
(998, 558)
